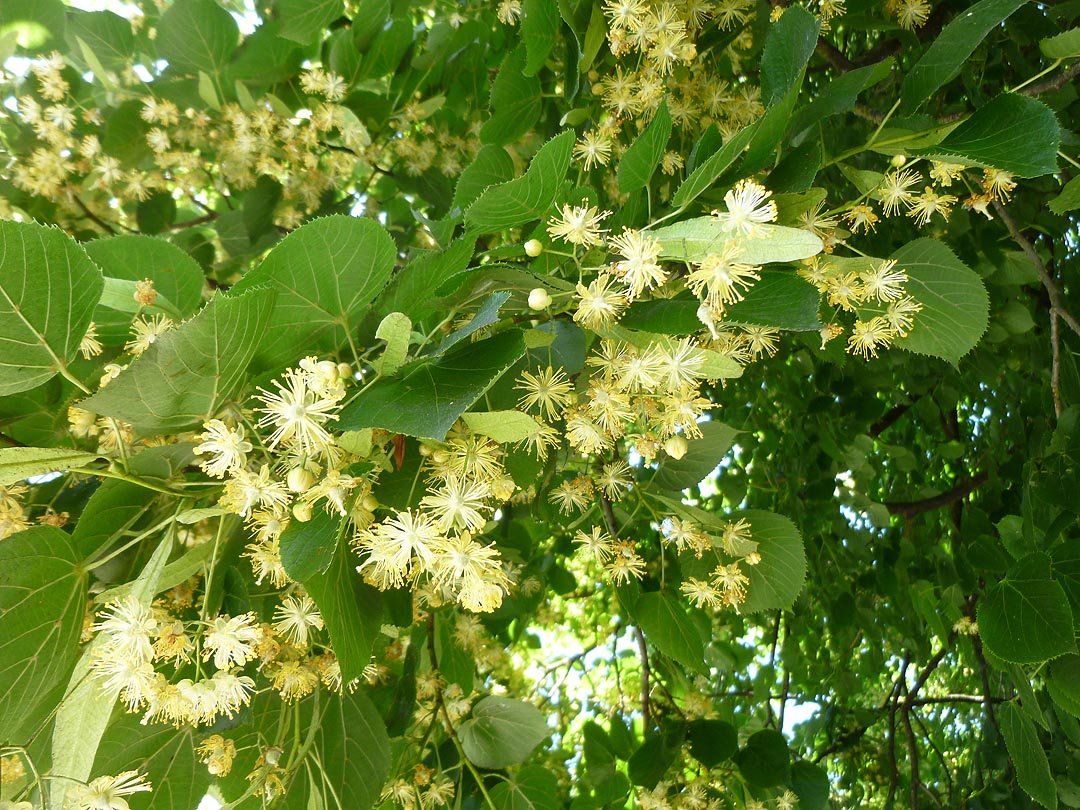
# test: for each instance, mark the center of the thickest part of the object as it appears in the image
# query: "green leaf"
(662, 618)
(539, 30)
(1065, 45)
(106, 35)
(948, 52)
(1068, 199)
(531, 788)
(353, 751)
(788, 47)
(130, 258)
(712, 741)
(430, 395)
(304, 21)
(351, 609)
(528, 197)
(955, 304)
(1027, 755)
(781, 300)
(19, 463)
(396, 330)
(839, 96)
(42, 605)
(190, 372)
(491, 166)
(778, 579)
(326, 274)
(164, 754)
(32, 22)
(195, 35)
(502, 732)
(640, 161)
(113, 508)
(811, 784)
(760, 152)
(515, 102)
(501, 426)
(693, 239)
(647, 766)
(1065, 682)
(486, 315)
(700, 460)
(1025, 618)
(48, 290)
(1066, 564)
(702, 178)
(307, 548)
(765, 760)
(410, 290)
(1012, 133)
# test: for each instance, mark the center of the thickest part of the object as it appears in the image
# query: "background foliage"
(196, 195)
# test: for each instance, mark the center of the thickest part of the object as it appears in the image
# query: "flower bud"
(539, 299)
(898, 160)
(302, 511)
(676, 447)
(344, 371)
(299, 480)
(534, 248)
(370, 503)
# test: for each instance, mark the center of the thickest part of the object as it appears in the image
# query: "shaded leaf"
(765, 760)
(354, 752)
(1012, 133)
(491, 166)
(941, 61)
(702, 178)
(430, 395)
(164, 754)
(515, 101)
(840, 95)
(307, 548)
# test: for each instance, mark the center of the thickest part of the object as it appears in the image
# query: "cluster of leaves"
(464, 381)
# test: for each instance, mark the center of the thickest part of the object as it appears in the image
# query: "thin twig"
(958, 492)
(1057, 303)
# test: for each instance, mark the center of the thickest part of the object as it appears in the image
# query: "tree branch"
(1055, 83)
(646, 713)
(958, 492)
(1057, 303)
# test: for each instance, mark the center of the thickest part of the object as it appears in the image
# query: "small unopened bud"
(370, 503)
(676, 447)
(539, 299)
(302, 511)
(344, 371)
(426, 450)
(898, 160)
(440, 456)
(145, 294)
(272, 755)
(299, 479)
(534, 247)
